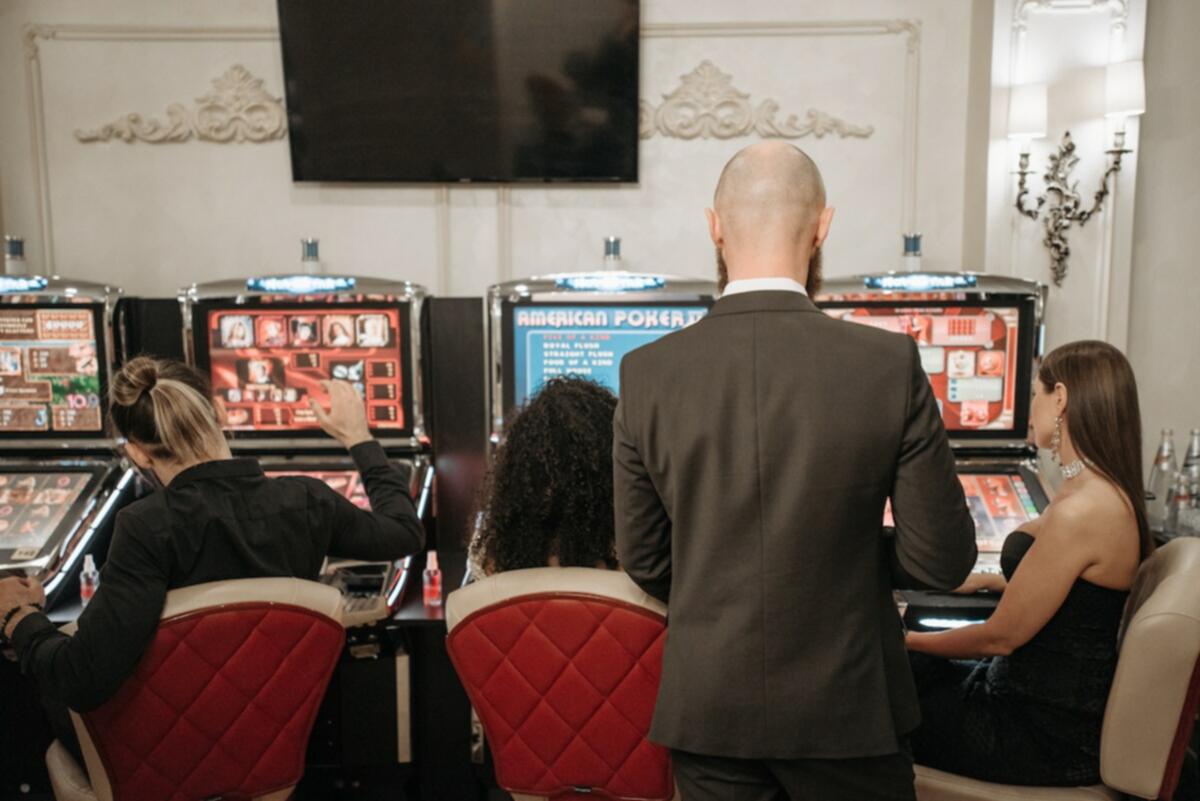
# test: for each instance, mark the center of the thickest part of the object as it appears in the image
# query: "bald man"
(753, 456)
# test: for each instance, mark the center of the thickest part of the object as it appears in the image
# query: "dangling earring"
(1068, 470)
(1056, 440)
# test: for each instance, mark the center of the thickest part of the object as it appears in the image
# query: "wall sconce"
(1124, 96)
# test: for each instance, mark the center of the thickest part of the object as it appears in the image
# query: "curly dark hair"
(549, 491)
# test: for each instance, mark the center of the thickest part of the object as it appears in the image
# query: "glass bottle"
(14, 256)
(1161, 475)
(1178, 521)
(432, 580)
(89, 580)
(310, 259)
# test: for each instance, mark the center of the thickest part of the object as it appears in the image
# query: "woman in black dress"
(1025, 703)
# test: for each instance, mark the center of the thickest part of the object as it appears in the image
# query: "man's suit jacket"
(753, 455)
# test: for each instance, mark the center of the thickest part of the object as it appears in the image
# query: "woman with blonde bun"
(214, 518)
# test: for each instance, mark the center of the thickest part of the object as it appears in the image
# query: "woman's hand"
(978, 582)
(346, 419)
(17, 592)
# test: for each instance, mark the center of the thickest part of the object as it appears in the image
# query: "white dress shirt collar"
(763, 285)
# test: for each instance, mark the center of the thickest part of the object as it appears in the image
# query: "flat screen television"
(461, 90)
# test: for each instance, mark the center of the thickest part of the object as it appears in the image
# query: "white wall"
(1164, 336)
(152, 217)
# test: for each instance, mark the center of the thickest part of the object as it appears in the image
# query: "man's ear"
(714, 228)
(823, 223)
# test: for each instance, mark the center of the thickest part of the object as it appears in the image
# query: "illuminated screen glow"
(347, 483)
(999, 504)
(588, 341)
(33, 505)
(49, 371)
(969, 353)
(267, 363)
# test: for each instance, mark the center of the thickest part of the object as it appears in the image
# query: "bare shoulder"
(1095, 519)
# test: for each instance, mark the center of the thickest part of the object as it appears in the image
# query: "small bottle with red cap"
(433, 580)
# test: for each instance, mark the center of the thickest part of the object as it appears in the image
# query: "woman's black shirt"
(216, 521)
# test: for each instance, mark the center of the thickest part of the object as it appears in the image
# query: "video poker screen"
(347, 483)
(978, 359)
(999, 504)
(52, 382)
(34, 505)
(266, 363)
(544, 340)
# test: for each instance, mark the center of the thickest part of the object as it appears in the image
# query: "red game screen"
(969, 354)
(347, 482)
(267, 363)
(999, 503)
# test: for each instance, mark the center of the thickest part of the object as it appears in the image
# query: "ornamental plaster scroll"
(238, 109)
(707, 106)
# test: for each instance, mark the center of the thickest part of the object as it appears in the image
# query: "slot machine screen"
(543, 340)
(267, 362)
(52, 380)
(999, 504)
(347, 483)
(34, 505)
(978, 359)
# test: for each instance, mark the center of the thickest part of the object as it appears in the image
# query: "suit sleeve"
(934, 546)
(643, 527)
(85, 670)
(391, 530)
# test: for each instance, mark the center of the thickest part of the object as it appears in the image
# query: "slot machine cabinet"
(267, 342)
(578, 324)
(61, 483)
(980, 338)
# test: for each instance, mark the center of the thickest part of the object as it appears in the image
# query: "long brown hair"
(165, 407)
(1103, 417)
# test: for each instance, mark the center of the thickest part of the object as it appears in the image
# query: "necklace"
(1073, 469)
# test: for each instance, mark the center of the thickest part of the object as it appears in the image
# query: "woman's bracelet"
(10, 614)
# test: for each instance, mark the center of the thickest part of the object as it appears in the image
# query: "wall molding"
(707, 106)
(37, 34)
(910, 29)
(238, 109)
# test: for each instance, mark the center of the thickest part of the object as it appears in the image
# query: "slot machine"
(980, 338)
(579, 324)
(266, 343)
(61, 482)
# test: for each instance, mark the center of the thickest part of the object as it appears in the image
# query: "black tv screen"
(461, 90)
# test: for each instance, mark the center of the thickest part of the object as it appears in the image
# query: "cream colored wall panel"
(214, 210)
(154, 216)
(661, 219)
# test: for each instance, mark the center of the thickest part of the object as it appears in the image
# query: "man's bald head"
(769, 189)
(769, 216)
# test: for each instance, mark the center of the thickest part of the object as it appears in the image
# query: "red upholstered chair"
(222, 703)
(562, 666)
(1153, 702)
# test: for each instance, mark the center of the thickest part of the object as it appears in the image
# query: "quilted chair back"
(224, 699)
(1156, 690)
(562, 666)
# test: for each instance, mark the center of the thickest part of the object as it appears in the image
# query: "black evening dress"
(1032, 717)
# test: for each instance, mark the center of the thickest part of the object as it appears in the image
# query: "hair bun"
(137, 377)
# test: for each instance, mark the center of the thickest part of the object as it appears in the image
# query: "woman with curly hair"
(548, 498)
